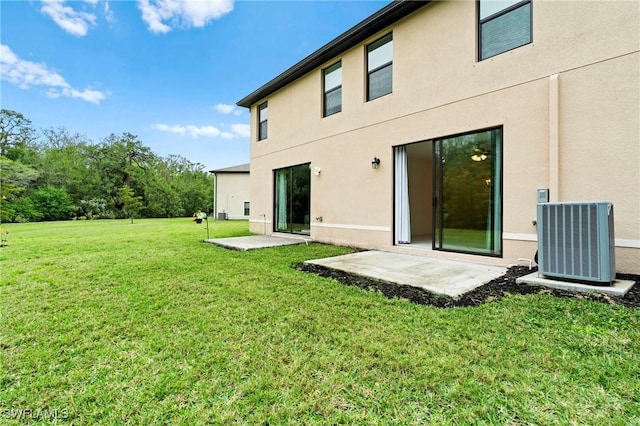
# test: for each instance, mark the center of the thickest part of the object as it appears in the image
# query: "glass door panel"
(281, 202)
(467, 184)
(292, 199)
(300, 200)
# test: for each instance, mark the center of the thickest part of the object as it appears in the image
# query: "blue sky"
(168, 71)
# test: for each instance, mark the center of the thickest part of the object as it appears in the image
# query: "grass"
(474, 240)
(108, 322)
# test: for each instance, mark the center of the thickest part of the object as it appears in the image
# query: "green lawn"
(108, 322)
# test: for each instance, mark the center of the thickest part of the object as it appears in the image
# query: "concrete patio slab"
(451, 278)
(253, 242)
(618, 288)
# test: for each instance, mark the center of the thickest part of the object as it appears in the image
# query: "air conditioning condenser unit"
(576, 241)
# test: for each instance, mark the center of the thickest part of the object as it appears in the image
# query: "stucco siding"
(568, 105)
(233, 191)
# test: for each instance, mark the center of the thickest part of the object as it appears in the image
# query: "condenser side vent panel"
(576, 241)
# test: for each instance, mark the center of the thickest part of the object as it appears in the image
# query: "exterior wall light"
(317, 171)
(375, 163)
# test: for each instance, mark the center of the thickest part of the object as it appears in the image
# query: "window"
(380, 67)
(263, 112)
(332, 89)
(503, 25)
(246, 208)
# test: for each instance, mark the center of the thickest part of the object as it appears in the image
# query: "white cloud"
(180, 130)
(93, 96)
(153, 17)
(227, 109)
(194, 131)
(224, 108)
(236, 130)
(162, 15)
(208, 131)
(242, 130)
(27, 74)
(108, 14)
(70, 20)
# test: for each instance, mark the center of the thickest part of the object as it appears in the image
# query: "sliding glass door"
(293, 200)
(468, 193)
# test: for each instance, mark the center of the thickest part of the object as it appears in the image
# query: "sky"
(168, 71)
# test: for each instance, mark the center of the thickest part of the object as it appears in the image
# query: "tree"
(66, 164)
(17, 136)
(71, 171)
(22, 210)
(53, 203)
(132, 204)
(15, 178)
(192, 184)
(120, 161)
(161, 198)
(174, 186)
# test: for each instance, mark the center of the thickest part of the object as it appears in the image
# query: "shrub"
(53, 203)
(22, 210)
(95, 208)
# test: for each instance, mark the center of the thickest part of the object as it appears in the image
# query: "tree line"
(53, 174)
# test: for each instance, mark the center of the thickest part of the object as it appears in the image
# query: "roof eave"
(386, 16)
(241, 168)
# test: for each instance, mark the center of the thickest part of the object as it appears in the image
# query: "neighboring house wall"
(232, 194)
(568, 105)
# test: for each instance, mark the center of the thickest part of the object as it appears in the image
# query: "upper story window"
(263, 113)
(380, 67)
(332, 89)
(503, 25)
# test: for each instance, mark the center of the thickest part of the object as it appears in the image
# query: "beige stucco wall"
(569, 105)
(232, 192)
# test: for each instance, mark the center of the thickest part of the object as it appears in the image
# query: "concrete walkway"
(253, 242)
(451, 278)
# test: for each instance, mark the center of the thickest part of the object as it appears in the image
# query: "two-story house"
(430, 126)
